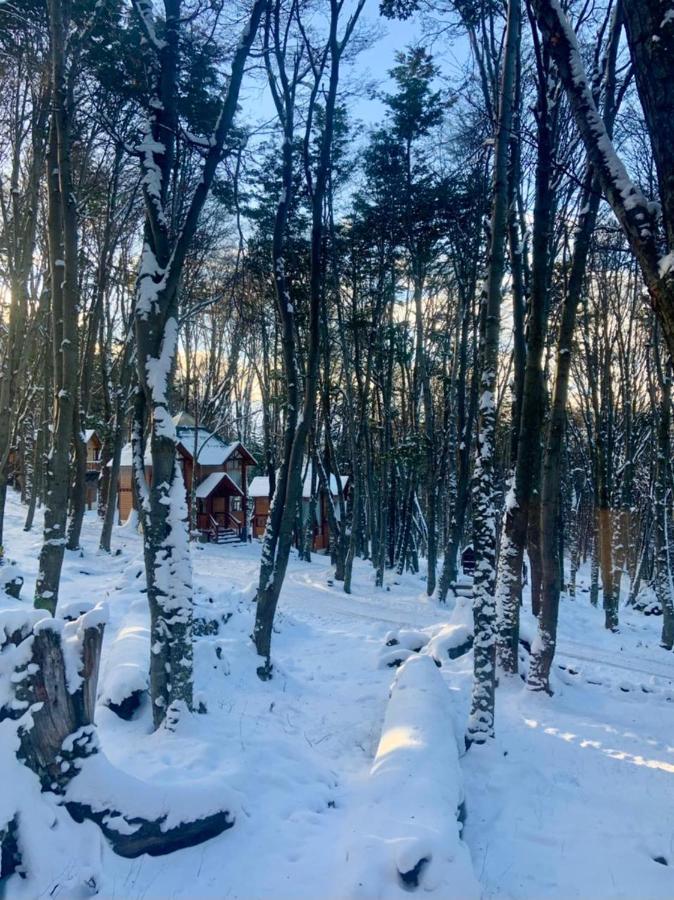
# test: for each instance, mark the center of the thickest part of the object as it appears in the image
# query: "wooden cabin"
(259, 494)
(93, 445)
(220, 473)
(16, 475)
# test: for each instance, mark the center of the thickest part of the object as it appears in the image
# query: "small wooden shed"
(259, 493)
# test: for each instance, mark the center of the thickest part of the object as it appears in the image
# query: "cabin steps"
(225, 536)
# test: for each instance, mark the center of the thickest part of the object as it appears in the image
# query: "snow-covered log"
(137, 817)
(415, 796)
(125, 678)
(49, 750)
(450, 642)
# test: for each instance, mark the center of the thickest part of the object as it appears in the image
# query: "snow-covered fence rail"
(414, 797)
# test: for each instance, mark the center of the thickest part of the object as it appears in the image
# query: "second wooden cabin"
(259, 494)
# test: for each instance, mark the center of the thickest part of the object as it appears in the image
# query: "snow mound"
(413, 798)
(126, 661)
(450, 642)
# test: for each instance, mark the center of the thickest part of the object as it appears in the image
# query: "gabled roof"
(88, 434)
(211, 450)
(259, 486)
(211, 482)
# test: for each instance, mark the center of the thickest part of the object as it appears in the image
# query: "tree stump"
(48, 679)
(13, 587)
(59, 688)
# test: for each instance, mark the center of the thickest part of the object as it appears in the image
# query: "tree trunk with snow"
(162, 504)
(650, 35)
(481, 722)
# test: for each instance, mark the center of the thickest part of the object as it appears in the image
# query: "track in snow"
(599, 659)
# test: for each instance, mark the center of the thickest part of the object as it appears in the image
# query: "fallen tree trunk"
(414, 797)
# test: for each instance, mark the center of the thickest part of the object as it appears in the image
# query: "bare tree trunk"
(113, 470)
(20, 229)
(544, 650)
(62, 229)
(662, 582)
(519, 519)
(278, 536)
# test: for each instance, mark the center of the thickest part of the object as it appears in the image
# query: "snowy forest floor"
(574, 798)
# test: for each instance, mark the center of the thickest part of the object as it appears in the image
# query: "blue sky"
(371, 66)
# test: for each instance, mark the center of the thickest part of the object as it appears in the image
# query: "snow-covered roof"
(259, 486)
(211, 449)
(88, 434)
(126, 459)
(209, 484)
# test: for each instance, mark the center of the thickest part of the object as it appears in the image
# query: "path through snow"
(575, 798)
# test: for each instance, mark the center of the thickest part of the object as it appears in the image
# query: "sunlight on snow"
(612, 752)
(395, 738)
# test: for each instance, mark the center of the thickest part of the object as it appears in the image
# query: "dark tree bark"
(652, 50)
(278, 536)
(64, 296)
(162, 504)
(518, 521)
(481, 722)
(544, 651)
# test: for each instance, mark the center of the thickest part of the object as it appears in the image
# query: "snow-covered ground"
(574, 798)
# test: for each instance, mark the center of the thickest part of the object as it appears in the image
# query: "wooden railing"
(234, 522)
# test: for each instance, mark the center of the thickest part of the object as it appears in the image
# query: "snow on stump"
(401, 645)
(450, 642)
(443, 643)
(48, 679)
(414, 797)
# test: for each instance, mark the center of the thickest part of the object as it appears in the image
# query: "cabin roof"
(259, 486)
(212, 481)
(88, 434)
(211, 450)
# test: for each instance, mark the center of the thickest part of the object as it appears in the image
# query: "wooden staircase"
(222, 534)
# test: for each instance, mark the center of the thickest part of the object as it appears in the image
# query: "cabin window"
(236, 504)
(233, 465)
